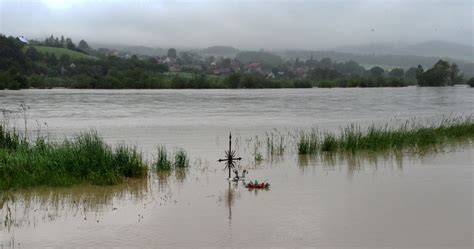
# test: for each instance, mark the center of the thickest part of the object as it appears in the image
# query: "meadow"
(58, 52)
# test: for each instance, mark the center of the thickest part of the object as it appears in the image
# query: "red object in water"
(262, 185)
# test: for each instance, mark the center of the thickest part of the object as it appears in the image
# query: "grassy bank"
(410, 135)
(85, 158)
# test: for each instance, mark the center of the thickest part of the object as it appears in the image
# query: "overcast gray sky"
(310, 24)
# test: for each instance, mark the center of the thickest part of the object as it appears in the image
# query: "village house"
(175, 68)
(253, 68)
(193, 67)
(108, 52)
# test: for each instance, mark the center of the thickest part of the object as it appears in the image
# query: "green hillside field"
(60, 51)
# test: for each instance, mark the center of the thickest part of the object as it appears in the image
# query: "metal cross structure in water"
(230, 157)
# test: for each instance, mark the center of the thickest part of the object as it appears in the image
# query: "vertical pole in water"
(230, 152)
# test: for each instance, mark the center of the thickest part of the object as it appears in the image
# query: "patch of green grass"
(181, 159)
(9, 140)
(85, 158)
(163, 163)
(58, 52)
(308, 142)
(258, 157)
(410, 135)
(329, 142)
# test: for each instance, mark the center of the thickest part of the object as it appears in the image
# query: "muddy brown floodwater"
(342, 201)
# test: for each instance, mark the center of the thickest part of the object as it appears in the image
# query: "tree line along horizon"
(25, 66)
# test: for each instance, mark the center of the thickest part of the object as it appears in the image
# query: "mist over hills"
(438, 49)
(429, 48)
(386, 55)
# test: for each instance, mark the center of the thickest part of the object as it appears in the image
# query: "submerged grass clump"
(257, 155)
(163, 163)
(308, 142)
(275, 143)
(181, 159)
(410, 135)
(85, 158)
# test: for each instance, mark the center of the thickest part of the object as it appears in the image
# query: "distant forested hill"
(260, 57)
(224, 51)
(387, 61)
(441, 49)
(142, 50)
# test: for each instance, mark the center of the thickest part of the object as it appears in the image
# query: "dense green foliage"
(24, 66)
(12, 79)
(470, 82)
(357, 81)
(390, 60)
(328, 73)
(86, 158)
(138, 79)
(410, 135)
(252, 81)
(441, 74)
(58, 62)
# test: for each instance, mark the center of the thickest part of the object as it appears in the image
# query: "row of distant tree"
(441, 74)
(61, 42)
(326, 69)
(22, 66)
(21, 63)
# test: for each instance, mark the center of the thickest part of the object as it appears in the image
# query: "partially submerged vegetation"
(85, 158)
(180, 159)
(410, 135)
(275, 143)
(163, 163)
(257, 155)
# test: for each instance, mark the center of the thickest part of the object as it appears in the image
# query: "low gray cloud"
(254, 24)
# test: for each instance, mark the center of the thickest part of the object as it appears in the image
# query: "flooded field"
(384, 200)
